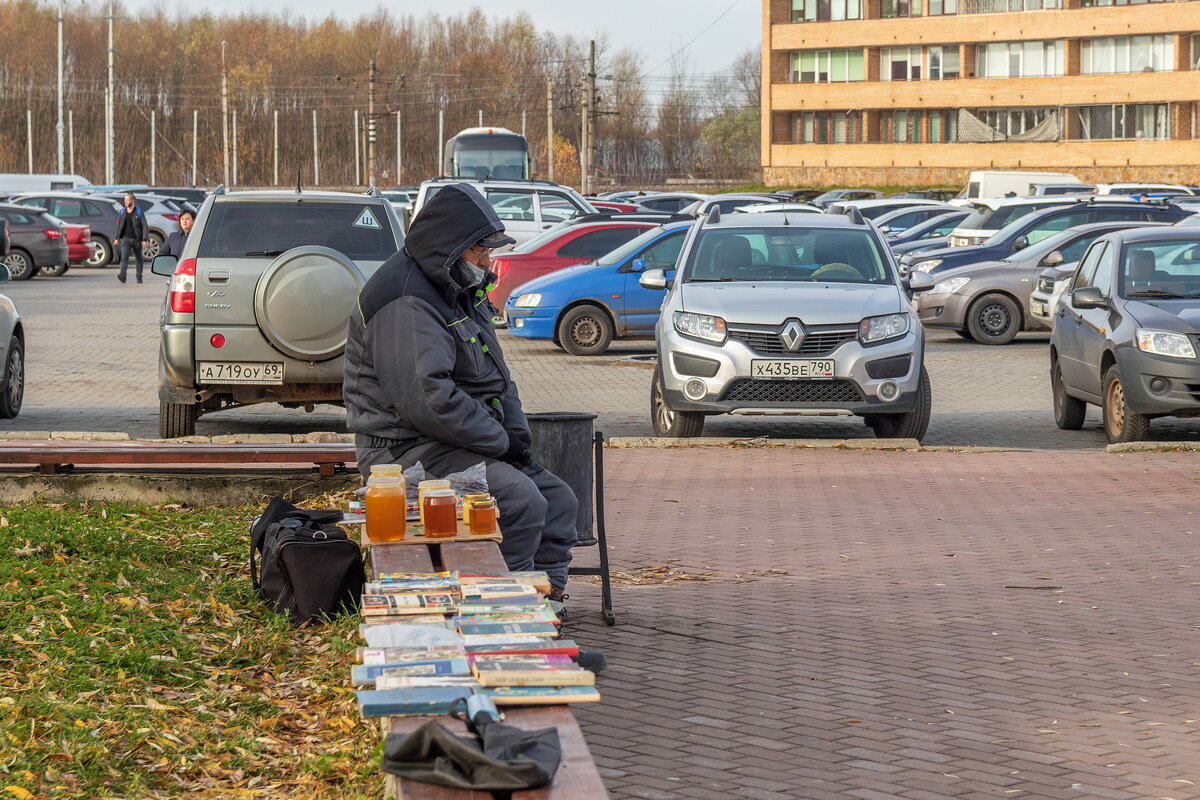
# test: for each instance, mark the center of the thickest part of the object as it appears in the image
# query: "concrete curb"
(1154, 447)
(318, 437)
(729, 441)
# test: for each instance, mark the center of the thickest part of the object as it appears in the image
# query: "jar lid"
(387, 469)
(434, 483)
(440, 493)
(385, 480)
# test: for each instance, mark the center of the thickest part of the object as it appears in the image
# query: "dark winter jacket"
(422, 360)
(173, 246)
(131, 227)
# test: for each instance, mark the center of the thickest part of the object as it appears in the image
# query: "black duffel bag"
(310, 568)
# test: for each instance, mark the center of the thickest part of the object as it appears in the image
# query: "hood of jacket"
(452, 220)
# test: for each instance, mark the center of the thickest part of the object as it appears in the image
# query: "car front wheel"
(53, 271)
(1121, 424)
(994, 319)
(668, 422)
(910, 425)
(12, 391)
(585, 331)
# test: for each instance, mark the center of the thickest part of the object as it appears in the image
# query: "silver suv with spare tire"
(257, 307)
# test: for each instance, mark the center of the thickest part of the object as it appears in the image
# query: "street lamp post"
(224, 113)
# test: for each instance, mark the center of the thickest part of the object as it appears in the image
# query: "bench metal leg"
(606, 605)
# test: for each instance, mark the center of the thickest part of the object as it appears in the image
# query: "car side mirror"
(638, 265)
(1021, 243)
(164, 265)
(1053, 259)
(1088, 297)
(653, 279)
(5, 275)
(885, 229)
(920, 281)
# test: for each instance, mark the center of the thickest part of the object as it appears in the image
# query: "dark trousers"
(136, 247)
(537, 510)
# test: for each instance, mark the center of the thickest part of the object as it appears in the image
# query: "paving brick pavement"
(839, 624)
(93, 355)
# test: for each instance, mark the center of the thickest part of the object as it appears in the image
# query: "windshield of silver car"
(821, 255)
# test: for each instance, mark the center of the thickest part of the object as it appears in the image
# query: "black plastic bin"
(562, 443)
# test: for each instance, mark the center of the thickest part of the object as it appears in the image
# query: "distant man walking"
(173, 246)
(131, 235)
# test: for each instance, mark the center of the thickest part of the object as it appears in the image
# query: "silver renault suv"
(789, 314)
(259, 298)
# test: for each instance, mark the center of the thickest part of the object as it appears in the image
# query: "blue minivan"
(583, 308)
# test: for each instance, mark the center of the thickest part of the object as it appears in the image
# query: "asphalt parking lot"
(92, 350)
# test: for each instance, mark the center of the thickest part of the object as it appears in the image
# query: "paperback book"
(365, 674)
(398, 604)
(558, 647)
(428, 701)
(425, 681)
(504, 629)
(397, 655)
(394, 634)
(530, 671)
(540, 695)
(467, 608)
(545, 615)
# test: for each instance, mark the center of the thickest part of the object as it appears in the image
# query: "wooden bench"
(577, 777)
(61, 456)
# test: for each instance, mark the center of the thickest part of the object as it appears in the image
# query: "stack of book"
(434, 639)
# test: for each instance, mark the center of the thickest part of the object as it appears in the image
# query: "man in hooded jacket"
(426, 381)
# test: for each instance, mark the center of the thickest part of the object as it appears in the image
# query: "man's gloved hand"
(518, 453)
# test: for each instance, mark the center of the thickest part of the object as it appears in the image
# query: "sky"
(713, 32)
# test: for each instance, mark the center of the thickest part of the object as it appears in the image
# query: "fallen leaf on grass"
(19, 792)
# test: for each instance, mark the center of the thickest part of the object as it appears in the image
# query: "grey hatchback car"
(12, 355)
(259, 298)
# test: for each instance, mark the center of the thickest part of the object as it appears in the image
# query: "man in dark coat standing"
(173, 246)
(131, 235)
(426, 381)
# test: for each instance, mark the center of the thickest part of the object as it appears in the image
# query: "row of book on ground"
(433, 639)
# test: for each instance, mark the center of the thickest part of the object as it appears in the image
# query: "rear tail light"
(172, 217)
(183, 287)
(51, 233)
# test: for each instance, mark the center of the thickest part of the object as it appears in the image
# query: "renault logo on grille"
(792, 335)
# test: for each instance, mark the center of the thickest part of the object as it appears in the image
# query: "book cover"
(545, 615)
(537, 579)
(395, 634)
(410, 587)
(425, 681)
(433, 700)
(563, 647)
(546, 629)
(490, 672)
(510, 600)
(540, 695)
(394, 604)
(467, 608)
(485, 590)
(439, 620)
(365, 674)
(506, 638)
(398, 655)
(399, 577)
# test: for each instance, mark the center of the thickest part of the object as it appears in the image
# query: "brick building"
(919, 92)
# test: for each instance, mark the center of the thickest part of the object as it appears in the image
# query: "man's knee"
(518, 498)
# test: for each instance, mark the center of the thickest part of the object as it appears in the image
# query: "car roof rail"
(854, 214)
(713, 216)
(373, 191)
(220, 189)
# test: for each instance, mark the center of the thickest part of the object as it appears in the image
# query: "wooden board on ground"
(51, 456)
(415, 534)
(576, 779)
(398, 558)
(473, 558)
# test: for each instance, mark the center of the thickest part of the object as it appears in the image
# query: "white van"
(23, 183)
(1144, 188)
(1011, 184)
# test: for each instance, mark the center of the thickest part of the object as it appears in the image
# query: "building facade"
(920, 92)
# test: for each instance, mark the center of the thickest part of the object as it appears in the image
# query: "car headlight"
(880, 329)
(701, 326)
(949, 286)
(925, 266)
(528, 301)
(1165, 343)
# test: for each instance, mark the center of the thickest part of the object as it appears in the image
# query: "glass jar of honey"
(483, 516)
(426, 486)
(385, 502)
(439, 509)
(468, 501)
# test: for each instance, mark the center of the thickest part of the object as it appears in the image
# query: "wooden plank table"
(577, 777)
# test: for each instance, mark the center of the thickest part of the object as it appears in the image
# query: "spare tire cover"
(303, 301)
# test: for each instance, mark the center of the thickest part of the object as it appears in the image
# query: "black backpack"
(310, 568)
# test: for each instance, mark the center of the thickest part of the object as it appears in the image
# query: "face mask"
(467, 274)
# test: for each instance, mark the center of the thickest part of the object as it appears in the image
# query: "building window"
(826, 10)
(943, 63)
(900, 64)
(1019, 59)
(1126, 54)
(1003, 124)
(1007, 6)
(939, 7)
(1196, 51)
(1142, 121)
(829, 127)
(891, 9)
(901, 127)
(1097, 3)
(827, 66)
(943, 126)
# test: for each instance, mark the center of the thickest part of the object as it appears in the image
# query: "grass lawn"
(138, 662)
